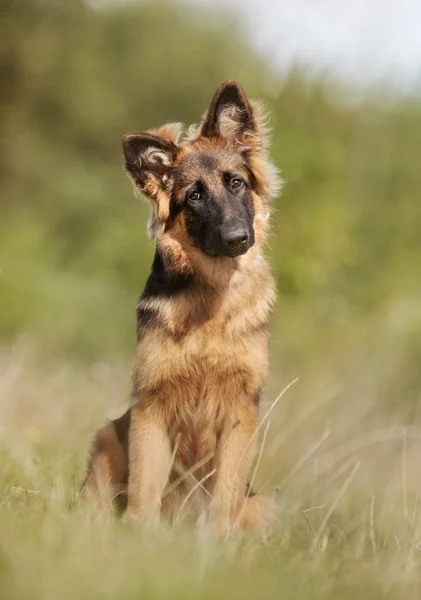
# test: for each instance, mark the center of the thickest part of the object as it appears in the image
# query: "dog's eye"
(194, 196)
(236, 183)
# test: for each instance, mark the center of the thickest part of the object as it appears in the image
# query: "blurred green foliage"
(74, 254)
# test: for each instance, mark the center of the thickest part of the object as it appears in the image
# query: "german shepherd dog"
(186, 445)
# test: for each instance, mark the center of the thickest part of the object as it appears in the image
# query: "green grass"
(349, 517)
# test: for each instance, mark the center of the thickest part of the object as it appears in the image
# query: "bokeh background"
(343, 86)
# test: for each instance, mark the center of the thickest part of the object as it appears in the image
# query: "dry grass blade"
(265, 418)
(360, 442)
(188, 473)
(307, 454)
(15, 488)
(259, 458)
(405, 475)
(334, 504)
(189, 495)
(372, 528)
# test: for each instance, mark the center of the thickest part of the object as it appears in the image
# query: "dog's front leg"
(149, 463)
(234, 460)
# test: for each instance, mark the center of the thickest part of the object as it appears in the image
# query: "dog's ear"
(230, 115)
(149, 159)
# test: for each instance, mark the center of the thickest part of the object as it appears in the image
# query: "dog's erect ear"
(149, 160)
(230, 115)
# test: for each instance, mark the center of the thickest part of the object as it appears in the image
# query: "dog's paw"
(147, 517)
(131, 516)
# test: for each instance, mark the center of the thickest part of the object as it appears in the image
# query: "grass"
(347, 489)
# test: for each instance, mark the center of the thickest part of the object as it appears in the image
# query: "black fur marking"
(251, 175)
(257, 397)
(122, 426)
(209, 163)
(249, 491)
(175, 208)
(146, 317)
(206, 220)
(163, 282)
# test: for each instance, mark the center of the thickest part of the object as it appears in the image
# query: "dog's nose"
(235, 238)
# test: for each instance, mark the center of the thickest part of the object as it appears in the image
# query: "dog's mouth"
(224, 252)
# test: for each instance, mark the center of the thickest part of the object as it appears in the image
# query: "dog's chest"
(202, 358)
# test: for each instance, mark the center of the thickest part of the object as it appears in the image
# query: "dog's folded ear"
(149, 159)
(230, 115)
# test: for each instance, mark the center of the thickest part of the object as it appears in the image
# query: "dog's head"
(212, 190)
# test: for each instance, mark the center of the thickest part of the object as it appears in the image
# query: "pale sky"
(359, 41)
(366, 41)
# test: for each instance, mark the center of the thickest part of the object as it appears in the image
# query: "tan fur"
(199, 369)
(105, 479)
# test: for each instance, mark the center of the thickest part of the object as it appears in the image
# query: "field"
(349, 516)
(340, 440)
